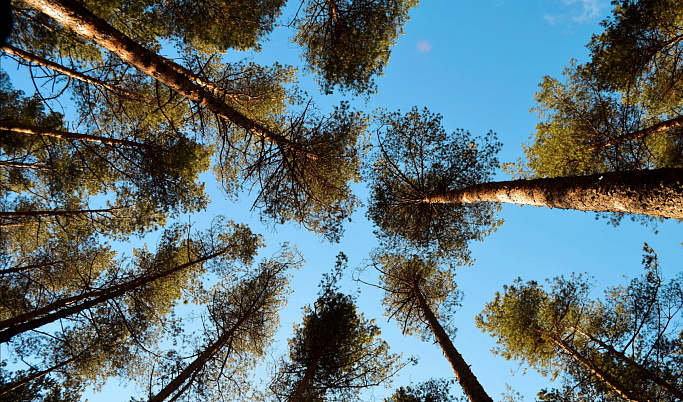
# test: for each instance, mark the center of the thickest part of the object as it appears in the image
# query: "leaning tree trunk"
(468, 381)
(636, 135)
(601, 374)
(75, 16)
(638, 367)
(32, 58)
(657, 193)
(32, 377)
(66, 307)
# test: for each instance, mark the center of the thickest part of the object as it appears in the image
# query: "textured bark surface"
(468, 381)
(604, 376)
(32, 58)
(656, 128)
(75, 16)
(657, 193)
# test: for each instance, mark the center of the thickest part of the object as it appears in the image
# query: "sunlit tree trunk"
(473, 389)
(636, 135)
(657, 193)
(75, 16)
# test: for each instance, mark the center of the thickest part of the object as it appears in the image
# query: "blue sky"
(478, 63)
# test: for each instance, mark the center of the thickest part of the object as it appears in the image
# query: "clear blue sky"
(478, 63)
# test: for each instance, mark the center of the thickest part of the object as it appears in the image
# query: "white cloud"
(578, 11)
(424, 47)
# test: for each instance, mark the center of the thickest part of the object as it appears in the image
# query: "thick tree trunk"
(32, 58)
(657, 193)
(65, 135)
(657, 128)
(468, 381)
(74, 15)
(639, 368)
(60, 309)
(305, 382)
(608, 379)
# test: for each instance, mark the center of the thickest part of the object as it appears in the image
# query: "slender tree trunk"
(65, 135)
(639, 368)
(18, 165)
(74, 15)
(193, 368)
(60, 309)
(40, 214)
(468, 381)
(636, 135)
(657, 193)
(32, 58)
(16, 384)
(604, 376)
(25, 268)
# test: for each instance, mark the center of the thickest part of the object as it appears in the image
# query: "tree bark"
(74, 15)
(65, 135)
(656, 128)
(25, 268)
(19, 165)
(657, 193)
(204, 357)
(608, 379)
(32, 58)
(16, 384)
(468, 381)
(60, 309)
(639, 368)
(305, 382)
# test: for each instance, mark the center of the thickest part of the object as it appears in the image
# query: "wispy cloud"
(424, 47)
(578, 11)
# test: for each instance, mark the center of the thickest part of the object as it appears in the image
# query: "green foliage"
(415, 159)
(346, 42)
(43, 389)
(400, 276)
(435, 390)
(640, 51)
(554, 330)
(335, 352)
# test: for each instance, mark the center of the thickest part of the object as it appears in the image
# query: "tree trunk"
(19, 165)
(25, 268)
(639, 368)
(16, 384)
(39, 214)
(75, 16)
(305, 382)
(65, 135)
(468, 381)
(656, 128)
(32, 58)
(657, 193)
(60, 309)
(201, 360)
(608, 379)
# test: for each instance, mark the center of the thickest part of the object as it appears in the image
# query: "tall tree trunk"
(74, 15)
(657, 193)
(32, 58)
(636, 135)
(39, 214)
(19, 165)
(25, 268)
(639, 368)
(604, 376)
(60, 309)
(193, 368)
(16, 384)
(65, 135)
(468, 381)
(306, 382)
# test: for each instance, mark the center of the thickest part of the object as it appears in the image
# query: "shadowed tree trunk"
(473, 389)
(29, 378)
(65, 307)
(657, 193)
(32, 58)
